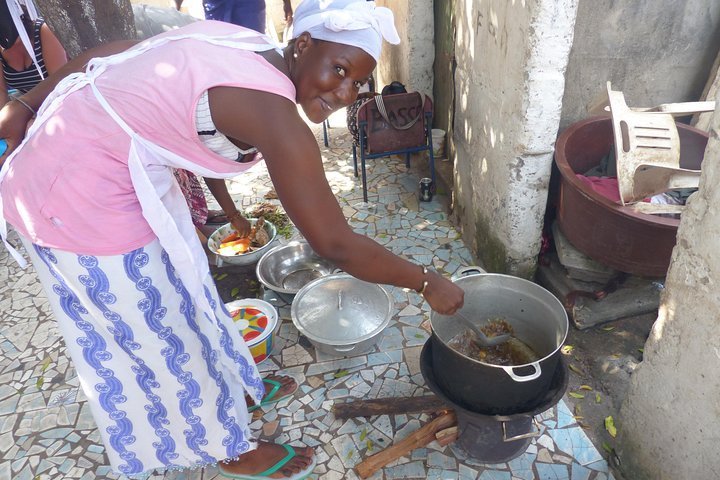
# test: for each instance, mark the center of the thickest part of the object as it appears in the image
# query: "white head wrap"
(351, 22)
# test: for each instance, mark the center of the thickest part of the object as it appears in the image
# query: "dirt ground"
(602, 360)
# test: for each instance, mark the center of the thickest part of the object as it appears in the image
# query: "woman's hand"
(443, 295)
(240, 224)
(14, 118)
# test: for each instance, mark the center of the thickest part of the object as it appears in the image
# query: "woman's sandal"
(269, 397)
(279, 465)
(216, 217)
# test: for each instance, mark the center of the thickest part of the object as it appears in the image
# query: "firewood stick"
(417, 439)
(447, 436)
(389, 406)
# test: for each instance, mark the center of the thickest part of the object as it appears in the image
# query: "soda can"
(426, 193)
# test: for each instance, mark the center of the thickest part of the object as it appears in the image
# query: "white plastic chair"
(647, 149)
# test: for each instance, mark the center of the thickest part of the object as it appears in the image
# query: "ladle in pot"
(482, 340)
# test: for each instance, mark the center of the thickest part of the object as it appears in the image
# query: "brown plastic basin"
(606, 231)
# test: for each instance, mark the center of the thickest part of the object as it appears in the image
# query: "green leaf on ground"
(575, 369)
(606, 446)
(576, 395)
(598, 398)
(419, 335)
(369, 444)
(610, 426)
(45, 364)
(567, 349)
(221, 276)
(40, 382)
(363, 434)
(608, 329)
(340, 374)
(641, 350)
(235, 292)
(586, 387)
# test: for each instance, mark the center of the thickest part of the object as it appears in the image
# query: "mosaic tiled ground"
(47, 432)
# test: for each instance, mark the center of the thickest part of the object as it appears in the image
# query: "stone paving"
(47, 432)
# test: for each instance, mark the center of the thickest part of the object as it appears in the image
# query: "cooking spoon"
(482, 340)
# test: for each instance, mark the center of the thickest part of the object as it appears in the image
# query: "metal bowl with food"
(287, 268)
(263, 242)
(342, 315)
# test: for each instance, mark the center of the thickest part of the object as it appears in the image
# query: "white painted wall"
(511, 60)
(411, 62)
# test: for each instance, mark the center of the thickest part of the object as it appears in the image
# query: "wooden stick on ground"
(389, 406)
(417, 439)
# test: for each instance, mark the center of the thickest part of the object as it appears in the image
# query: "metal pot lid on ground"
(339, 309)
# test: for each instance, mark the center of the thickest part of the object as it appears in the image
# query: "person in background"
(246, 13)
(92, 196)
(21, 69)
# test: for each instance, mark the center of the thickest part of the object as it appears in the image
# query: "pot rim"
(263, 260)
(339, 343)
(505, 367)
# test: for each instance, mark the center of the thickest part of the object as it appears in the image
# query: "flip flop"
(216, 217)
(264, 475)
(269, 397)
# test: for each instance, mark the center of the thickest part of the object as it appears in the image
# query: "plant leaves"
(369, 444)
(40, 382)
(586, 387)
(576, 395)
(598, 398)
(608, 329)
(45, 364)
(578, 412)
(641, 350)
(340, 374)
(221, 276)
(606, 446)
(610, 426)
(363, 434)
(235, 292)
(575, 369)
(567, 349)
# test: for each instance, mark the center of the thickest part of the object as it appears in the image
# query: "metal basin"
(249, 258)
(288, 268)
(342, 315)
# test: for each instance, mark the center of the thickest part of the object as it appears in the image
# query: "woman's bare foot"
(287, 386)
(265, 456)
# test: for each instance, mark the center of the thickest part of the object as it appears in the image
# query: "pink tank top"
(70, 187)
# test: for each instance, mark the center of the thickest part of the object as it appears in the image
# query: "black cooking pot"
(538, 319)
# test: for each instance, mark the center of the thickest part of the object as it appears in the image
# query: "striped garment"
(155, 374)
(26, 79)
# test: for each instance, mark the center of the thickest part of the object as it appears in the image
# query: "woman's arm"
(14, 116)
(4, 97)
(218, 188)
(52, 51)
(273, 125)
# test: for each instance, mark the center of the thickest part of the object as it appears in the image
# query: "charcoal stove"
(497, 438)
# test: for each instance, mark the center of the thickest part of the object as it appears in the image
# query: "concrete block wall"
(511, 60)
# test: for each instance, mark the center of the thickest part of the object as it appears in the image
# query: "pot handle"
(466, 272)
(527, 378)
(536, 433)
(344, 349)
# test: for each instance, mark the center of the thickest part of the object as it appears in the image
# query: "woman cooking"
(92, 195)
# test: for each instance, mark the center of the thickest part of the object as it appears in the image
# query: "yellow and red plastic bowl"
(260, 322)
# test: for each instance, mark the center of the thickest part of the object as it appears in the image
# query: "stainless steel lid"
(339, 309)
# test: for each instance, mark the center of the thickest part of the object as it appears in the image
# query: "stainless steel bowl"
(288, 268)
(342, 315)
(246, 258)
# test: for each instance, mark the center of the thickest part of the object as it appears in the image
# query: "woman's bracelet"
(23, 102)
(422, 289)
